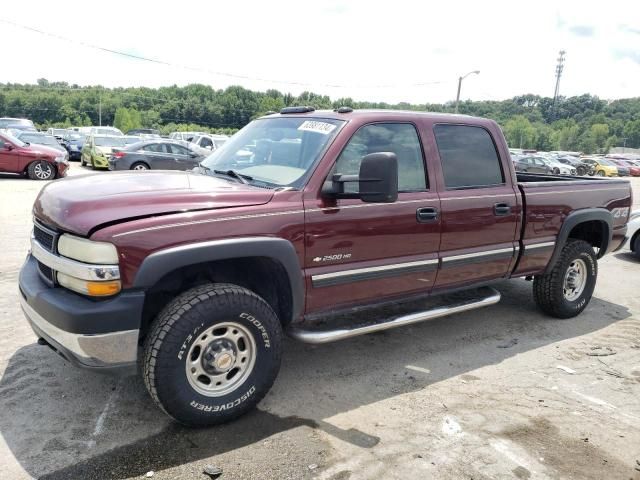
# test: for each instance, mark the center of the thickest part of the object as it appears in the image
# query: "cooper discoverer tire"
(567, 289)
(212, 354)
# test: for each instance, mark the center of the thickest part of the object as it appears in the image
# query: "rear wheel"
(567, 289)
(41, 170)
(600, 173)
(212, 354)
(140, 166)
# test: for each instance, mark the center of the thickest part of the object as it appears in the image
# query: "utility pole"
(624, 144)
(556, 92)
(100, 108)
(460, 86)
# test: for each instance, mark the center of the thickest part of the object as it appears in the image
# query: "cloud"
(621, 54)
(629, 29)
(583, 30)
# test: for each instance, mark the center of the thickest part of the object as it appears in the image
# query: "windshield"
(16, 141)
(73, 136)
(602, 161)
(275, 151)
(39, 139)
(131, 140)
(5, 122)
(109, 141)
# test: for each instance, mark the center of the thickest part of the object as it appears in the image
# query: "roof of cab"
(378, 114)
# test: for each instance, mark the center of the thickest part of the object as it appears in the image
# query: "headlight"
(60, 158)
(99, 152)
(87, 250)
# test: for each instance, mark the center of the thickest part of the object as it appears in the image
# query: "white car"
(559, 168)
(633, 232)
(210, 142)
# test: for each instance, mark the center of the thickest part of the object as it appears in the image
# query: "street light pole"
(460, 86)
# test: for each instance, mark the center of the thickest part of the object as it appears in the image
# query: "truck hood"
(80, 204)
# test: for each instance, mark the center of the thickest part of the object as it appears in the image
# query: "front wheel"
(212, 354)
(41, 170)
(567, 289)
(636, 246)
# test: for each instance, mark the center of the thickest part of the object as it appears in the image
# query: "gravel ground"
(502, 392)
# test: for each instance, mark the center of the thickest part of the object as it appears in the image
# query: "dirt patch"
(569, 457)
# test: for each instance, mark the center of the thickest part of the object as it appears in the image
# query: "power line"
(204, 70)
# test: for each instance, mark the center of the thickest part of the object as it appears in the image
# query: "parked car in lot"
(634, 167)
(155, 155)
(58, 133)
(601, 166)
(17, 129)
(38, 162)
(5, 122)
(623, 167)
(559, 168)
(131, 139)
(633, 233)
(39, 138)
(116, 132)
(210, 142)
(299, 219)
(532, 165)
(73, 142)
(144, 131)
(186, 136)
(575, 162)
(97, 150)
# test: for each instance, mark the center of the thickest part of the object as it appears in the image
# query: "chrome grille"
(45, 237)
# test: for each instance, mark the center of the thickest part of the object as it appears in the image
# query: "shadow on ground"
(60, 422)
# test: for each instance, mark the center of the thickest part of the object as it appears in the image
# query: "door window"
(157, 148)
(469, 157)
(399, 138)
(178, 149)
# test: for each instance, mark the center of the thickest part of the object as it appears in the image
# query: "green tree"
(520, 133)
(632, 133)
(599, 133)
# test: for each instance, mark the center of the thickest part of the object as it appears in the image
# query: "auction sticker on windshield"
(318, 127)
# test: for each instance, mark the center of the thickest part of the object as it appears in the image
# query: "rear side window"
(399, 138)
(468, 155)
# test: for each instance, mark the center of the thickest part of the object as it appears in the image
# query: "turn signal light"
(103, 289)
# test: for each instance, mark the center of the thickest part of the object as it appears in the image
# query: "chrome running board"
(486, 296)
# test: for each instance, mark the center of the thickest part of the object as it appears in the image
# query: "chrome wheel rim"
(139, 167)
(220, 359)
(42, 173)
(575, 280)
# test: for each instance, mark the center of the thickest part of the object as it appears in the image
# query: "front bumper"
(101, 162)
(98, 334)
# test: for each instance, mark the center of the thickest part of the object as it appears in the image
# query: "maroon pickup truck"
(302, 216)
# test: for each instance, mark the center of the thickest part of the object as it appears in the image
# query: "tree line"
(582, 123)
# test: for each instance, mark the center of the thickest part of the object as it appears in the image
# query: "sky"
(412, 51)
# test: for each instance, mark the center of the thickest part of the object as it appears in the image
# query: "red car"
(36, 161)
(634, 169)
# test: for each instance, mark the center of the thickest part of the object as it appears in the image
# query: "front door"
(480, 209)
(364, 252)
(8, 159)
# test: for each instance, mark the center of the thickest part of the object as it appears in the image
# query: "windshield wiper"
(242, 178)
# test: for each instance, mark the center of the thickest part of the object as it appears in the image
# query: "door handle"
(501, 209)
(426, 214)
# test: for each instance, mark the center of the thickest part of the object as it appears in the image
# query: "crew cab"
(301, 219)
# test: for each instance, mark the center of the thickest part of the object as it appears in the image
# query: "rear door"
(480, 208)
(160, 157)
(363, 252)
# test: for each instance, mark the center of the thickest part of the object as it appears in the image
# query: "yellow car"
(97, 150)
(602, 167)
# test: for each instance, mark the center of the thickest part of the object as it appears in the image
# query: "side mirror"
(8, 146)
(377, 180)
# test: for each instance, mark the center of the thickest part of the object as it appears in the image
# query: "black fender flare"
(162, 262)
(576, 218)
